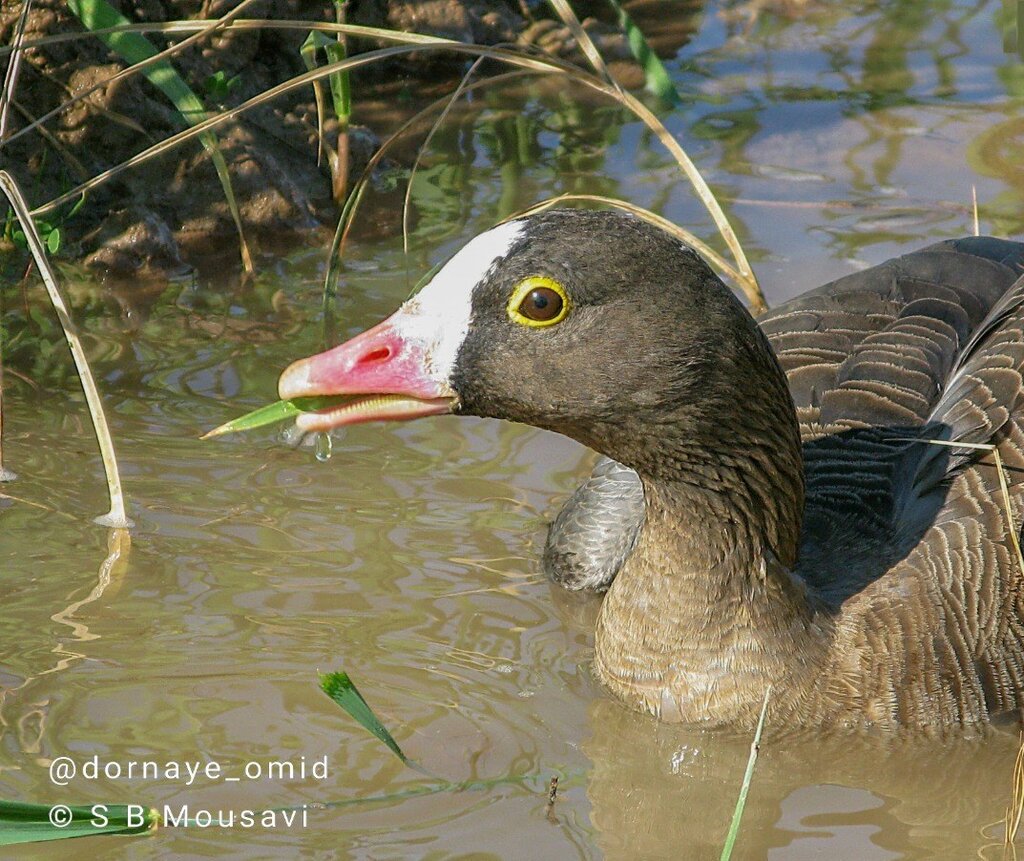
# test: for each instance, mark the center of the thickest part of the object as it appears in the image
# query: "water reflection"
(655, 788)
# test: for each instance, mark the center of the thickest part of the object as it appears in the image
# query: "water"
(322, 447)
(409, 559)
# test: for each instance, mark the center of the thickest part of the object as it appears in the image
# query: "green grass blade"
(340, 688)
(341, 92)
(266, 415)
(737, 814)
(98, 15)
(33, 823)
(271, 414)
(658, 81)
(341, 98)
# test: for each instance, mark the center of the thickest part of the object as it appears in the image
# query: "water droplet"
(322, 447)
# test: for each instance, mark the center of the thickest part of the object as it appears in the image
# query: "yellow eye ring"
(538, 301)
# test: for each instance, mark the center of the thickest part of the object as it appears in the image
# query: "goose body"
(771, 509)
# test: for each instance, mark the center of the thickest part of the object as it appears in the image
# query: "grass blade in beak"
(271, 414)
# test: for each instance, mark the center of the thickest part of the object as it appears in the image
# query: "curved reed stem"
(116, 517)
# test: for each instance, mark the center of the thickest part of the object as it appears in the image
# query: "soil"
(162, 216)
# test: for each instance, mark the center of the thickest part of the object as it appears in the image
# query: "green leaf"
(341, 91)
(33, 823)
(273, 413)
(53, 240)
(658, 80)
(74, 209)
(340, 688)
(218, 85)
(134, 48)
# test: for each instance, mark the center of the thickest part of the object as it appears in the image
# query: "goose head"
(596, 325)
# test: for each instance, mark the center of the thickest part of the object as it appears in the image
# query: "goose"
(773, 507)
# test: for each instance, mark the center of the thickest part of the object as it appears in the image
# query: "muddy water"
(409, 559)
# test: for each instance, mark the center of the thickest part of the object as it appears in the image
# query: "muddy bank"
(163, 215)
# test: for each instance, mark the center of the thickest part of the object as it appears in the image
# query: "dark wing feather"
(869, 358)
(931, 592)
(984, 389)
(860, 342)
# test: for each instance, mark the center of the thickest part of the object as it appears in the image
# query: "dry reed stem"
(5, 474)
(450, 103)
(974, 209)
(116, 517)
(170, 51)
(6, 99)
(348, 215)
(582, 37)
(208, 141)
(756, 298)
(13, 67)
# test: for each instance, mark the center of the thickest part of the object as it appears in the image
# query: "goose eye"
(538, 301)
(541, 304)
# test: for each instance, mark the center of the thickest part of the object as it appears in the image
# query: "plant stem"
(5, 474)
(13, 67)
(116, 517)
(737, 814)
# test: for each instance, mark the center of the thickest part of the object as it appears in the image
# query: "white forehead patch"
(439, 315)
